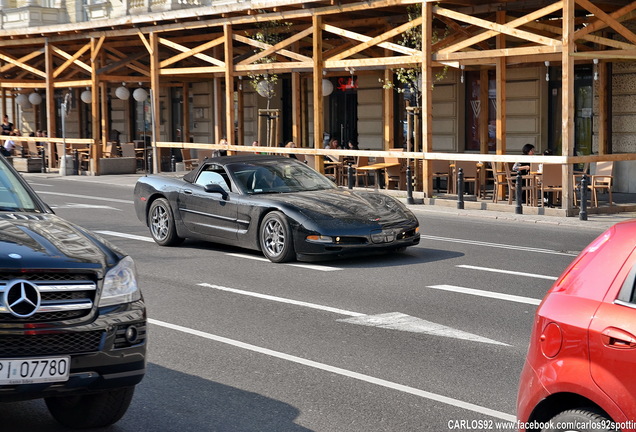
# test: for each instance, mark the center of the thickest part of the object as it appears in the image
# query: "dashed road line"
(516, 273)
(489, 294)
(498, 245)
(340, 371)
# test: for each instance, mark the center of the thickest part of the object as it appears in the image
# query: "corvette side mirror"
(215, 188)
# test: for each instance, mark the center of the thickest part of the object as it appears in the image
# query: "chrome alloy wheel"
(274, 237)
(159, 223)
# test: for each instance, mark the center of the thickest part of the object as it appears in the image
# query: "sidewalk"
(501, 212)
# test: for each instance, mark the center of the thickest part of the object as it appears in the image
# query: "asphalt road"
(429, 340)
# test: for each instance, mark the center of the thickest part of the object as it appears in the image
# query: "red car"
(580, 372)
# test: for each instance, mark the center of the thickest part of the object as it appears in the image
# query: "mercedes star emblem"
(22, 298)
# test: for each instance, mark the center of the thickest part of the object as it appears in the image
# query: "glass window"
(13, 195)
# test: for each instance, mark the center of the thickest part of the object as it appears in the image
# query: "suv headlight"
(120, 284)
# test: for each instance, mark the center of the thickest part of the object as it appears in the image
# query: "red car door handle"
(617, 338)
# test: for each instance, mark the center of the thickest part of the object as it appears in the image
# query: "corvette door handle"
(617, 338)
(187, 191)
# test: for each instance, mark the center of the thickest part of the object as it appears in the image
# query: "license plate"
(36, 370)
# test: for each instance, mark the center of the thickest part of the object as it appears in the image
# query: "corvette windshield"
(278, 176)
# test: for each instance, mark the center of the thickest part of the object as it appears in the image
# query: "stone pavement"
(501, 212)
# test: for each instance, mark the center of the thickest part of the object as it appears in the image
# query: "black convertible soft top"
(225, 160)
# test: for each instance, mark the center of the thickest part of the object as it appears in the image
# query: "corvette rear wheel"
(276, 238)
(161, 223)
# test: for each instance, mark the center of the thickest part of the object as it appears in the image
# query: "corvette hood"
(345, 205)
(43, 241)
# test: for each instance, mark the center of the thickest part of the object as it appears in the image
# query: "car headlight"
(120, 284)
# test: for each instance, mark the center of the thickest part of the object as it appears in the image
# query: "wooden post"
(229, 85)
(567, 103)
(500, 98)
(50, 102)
(185, 128)
(427, 97)
(154, 102)
(603, 106)
(95, 120)
(319, 121)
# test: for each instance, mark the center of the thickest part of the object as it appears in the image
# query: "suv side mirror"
(216, 188)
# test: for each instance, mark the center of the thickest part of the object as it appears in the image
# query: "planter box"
(27, 164)
(117, 165)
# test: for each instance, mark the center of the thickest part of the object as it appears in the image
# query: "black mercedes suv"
(72, 317)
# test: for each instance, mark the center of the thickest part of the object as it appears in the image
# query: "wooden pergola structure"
(217, 43)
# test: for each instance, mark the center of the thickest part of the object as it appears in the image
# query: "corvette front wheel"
(161, 222)
(276, 238)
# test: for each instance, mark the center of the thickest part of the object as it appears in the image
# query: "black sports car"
(274, 204)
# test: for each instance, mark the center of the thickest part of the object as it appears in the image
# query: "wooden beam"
(497, 28)
(319, 121)
(96, 45)
(191, 52)
(51, 125)
(500, 85)
(265, 46)
(362, 38)
(155, 96)
(23, 59)
(487, 56)
(598, 12)
(428, 79)
(70, 60)
(97, 49)
(378, 39)
(275, 48)
(567, 101)
(22, 65)
(229, 85)
(73, 58)
(618, 15)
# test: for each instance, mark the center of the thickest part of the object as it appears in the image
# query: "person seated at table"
(291, 144)
(10, 148)
(524, 167)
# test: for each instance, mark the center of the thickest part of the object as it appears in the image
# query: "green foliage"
(271, 33)
(409, 79)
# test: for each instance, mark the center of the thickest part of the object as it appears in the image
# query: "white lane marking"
(532, 275)
(498, 245)
(87, 197)
(403, 322)
(309, 266)
(40, 184)
(340, 371)
(282, 300)
(490, 294)
(85, 206)
(393, 320)
(124, 235)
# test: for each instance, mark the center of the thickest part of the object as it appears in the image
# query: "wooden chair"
(602, 179)
(395, 174)
(471, 174)
(499, 178)
(360, 162)
(109, 149)
(204, 154)
(128, 150)
(441, 170)
(528, 187)
(551, 180)
(188, 161)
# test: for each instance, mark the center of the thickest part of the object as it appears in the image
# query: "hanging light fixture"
(265, 88)
(22, 100)
(140, 95)
(547, 70)
(595, 69)
(327, 87)
(122, 92)
(35, 98)
(86, 96)
(461, 78)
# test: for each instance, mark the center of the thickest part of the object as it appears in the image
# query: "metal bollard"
(173, 164)
(583, 210)
(149, 164)
(350, 176)
(409, 185)
(460, 189)
(43, 156)
(76, 163)
(519, 194)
